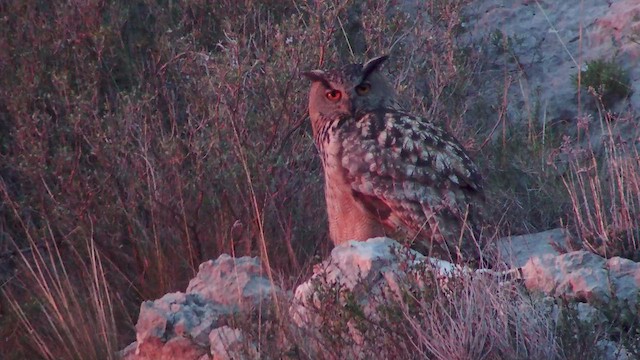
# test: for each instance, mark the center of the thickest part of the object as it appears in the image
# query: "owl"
(388, 172)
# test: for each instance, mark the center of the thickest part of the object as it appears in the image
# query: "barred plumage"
(388, 172)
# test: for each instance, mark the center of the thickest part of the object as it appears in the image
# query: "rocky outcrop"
(370, 271)
(515, 251)
(366, 291)
(193, 325)
(354, 291)
(584, 276)
(379, 271)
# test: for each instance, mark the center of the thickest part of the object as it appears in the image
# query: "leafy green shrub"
(624, 323)
(582, 329)
(578, 336)
(609, 81)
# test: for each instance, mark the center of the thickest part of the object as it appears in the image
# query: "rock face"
(232, 282)
(192, 325)
(542, 44)
(380, 268)
(370, 288)
(515, 251)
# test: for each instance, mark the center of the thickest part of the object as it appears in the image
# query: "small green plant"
(582, 330)
(606, 79)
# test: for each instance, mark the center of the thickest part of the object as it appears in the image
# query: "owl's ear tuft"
(314, 75)
(317, 76)
(372, 65)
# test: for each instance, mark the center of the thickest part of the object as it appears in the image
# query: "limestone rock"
(365, 268)
(583, 276)
(515, 251)
(365, 284)
(578, 275)
(191, 325)
(232, 282)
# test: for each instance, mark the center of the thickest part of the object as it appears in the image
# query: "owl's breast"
(329, 141)
(348, 218)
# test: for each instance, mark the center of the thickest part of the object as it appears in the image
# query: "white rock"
(361, 278)
(368, 271)
(583, 276)
(624, 276)
(180, 325)
(232, 281)
(576, 275)
(377, 265)
(517, 250)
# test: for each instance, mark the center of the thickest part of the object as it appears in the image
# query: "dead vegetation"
(133, 136)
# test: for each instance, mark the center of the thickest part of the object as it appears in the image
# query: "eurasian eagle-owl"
(388, 172)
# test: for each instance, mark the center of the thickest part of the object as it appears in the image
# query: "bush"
(607, 80)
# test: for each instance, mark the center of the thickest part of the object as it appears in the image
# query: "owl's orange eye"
(334, 95)
(363, 88)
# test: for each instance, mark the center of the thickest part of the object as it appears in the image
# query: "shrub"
(606, 79)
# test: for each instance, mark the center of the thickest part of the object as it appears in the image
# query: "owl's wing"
(406, 171)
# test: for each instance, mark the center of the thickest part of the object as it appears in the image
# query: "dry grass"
(425, 316)
(133, 136)
(604, 188)
(72, 294)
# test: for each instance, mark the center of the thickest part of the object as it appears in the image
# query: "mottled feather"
(388, 172)
(414, 175)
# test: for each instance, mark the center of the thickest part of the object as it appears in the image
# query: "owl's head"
(350, 91)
